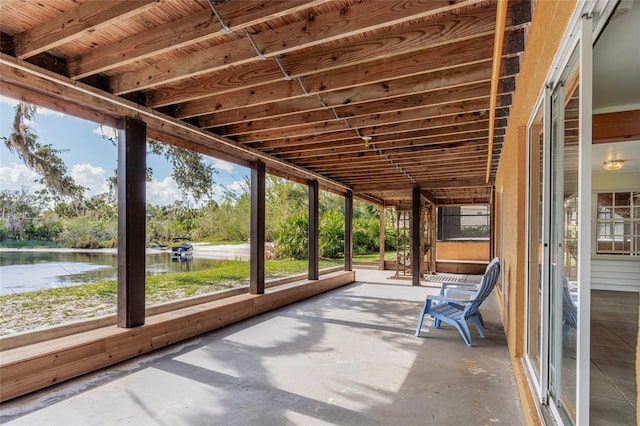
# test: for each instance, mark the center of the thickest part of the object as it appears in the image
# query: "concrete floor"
(347, 357)
(614, 334)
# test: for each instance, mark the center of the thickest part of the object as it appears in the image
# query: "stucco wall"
(550, 20)
(463, 250)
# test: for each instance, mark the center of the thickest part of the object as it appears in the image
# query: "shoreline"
(200, 250)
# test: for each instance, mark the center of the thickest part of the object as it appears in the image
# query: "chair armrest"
(451, 291)
(447, 285)
(441, 299)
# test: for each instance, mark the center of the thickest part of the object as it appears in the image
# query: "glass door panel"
(564, 243)
(536, 245)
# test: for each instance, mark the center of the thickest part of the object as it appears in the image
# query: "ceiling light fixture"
(613, 165)
(366, 140)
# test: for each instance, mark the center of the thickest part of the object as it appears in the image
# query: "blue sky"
(91, 159)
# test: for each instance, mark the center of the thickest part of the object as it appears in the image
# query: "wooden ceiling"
(374, 96)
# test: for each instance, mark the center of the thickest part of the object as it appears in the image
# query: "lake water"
(22, 271)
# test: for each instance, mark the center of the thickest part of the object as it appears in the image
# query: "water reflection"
(22, 271)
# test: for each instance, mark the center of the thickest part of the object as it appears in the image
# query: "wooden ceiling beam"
(403, 102)
(393, 177)
(422, 159)
(371, 154)
(476, 106)
(354, 21)
(373, 162)
(372, 170)
(43, 99)
(429, 185)
(436, 125)
(449, 27)
(68, 26)
(23, 74)
(399, 179)
(390, 147)
(415, 170)
(183, 32)
(243, 79)
(473, 53)
(616, 126)
(423, 83)
(355, 141)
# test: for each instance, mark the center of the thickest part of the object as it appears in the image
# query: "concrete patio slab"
(347, 357)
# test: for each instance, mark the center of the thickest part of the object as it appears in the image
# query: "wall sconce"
(366, 140)
(613, 165)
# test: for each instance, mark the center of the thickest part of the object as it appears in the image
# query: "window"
(463, 223)
(618, 223)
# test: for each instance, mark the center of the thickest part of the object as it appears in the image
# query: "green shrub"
(331, 235)
(292, 239)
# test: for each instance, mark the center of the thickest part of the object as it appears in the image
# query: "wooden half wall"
(29, 368)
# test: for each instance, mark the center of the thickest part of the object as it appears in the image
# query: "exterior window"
(463, 223)
(618, 223)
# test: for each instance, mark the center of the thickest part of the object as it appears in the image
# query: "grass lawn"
(30, 310)
(29, 244)
(374, 257)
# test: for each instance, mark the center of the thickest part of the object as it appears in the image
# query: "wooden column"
(348, 231)
(256, 249)
(381, 238)
(132, 163)
(416, 237)
(492, 225)
(314, 269)
(433, 236)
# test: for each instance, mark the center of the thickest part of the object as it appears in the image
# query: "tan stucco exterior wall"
(463, 250)
(550, 20)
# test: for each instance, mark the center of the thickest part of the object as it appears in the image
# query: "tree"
(189, 171)
(19, 213)
(40, 158)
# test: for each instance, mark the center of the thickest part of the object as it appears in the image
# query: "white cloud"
(236, 186)
(8, 101)
(163, 192)
(91, 177)
(106, 131)
(41, 110)
(223, 165)
(50, 112)
(17, 176)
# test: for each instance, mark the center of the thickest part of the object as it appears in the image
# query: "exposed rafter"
(378, 96)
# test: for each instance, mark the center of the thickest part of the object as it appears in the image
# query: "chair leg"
(477, 321)
(436, 323)
(464, 331)
(422, 314)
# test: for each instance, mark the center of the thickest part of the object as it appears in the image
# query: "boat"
(183, 251)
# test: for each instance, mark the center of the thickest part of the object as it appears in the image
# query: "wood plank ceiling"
(374, 96)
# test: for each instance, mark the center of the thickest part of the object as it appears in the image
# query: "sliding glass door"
(537, 248)
(559, 232)
(564, 237)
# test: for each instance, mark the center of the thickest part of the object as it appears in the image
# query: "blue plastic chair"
(456, 311)
(569, 309)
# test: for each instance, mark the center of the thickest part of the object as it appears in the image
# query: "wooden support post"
(492, 224)
(422, 238)
(314, 269)
(256, 249)
(132, 163)
(348, 231)
(433, 231)
(381, 238)
(416, 238)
